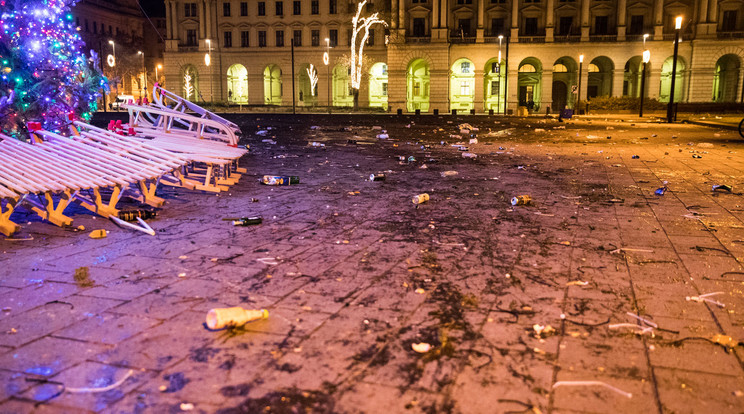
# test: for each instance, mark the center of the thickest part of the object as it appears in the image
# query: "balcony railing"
(531, 39)
(493, 39)
(603, 38)
(418, 39)
(730, 35)
(188, 48)
(684, 36)
(567, 38)
(460, 36)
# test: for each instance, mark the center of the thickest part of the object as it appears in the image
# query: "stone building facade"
(455, 54)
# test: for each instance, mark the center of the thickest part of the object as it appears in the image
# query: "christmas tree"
(44, 73)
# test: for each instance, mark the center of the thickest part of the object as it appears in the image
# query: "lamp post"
(506, 76)
(578, 95)
(158, 67)
(670, 105)
(498, 101)
(111, 59)
(144, 75)
(208, 62)
(327, 61)
(646, 58)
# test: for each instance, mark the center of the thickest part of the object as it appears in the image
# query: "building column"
(168, 20)
(479, 91)
(585, 20)
(208, 24)
(394, 15)
(653, 83)
(174, 21)
(402, 15)
(512, 100)
(479, 22)
(703, 13)
(617, 81)
(444, 15)
(515, 21)
(550, 21)
(202, 16)
(621, 16)
(658, 19)
(435, 15)
(546, 94)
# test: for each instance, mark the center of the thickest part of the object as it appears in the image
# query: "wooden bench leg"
(100, 207)
(7, 227)
(53, 214)
(148, 193)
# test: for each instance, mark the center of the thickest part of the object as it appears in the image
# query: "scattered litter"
(186, 406)
(280, 180)
(421, 347)
(638, 329)
(98, 234)
(268, 261)
(660, 191)
(449, 173)
(644, 320)
(706, 298)
(696, 156)
(539, 129)
(473, 141)
(143, 227)
(82, 277)
(627, 249)
(591, 383)
(247, 221)
(132, 215)
(101, 389)
(577, 283)
(571, 198)
(543, 331)
(521, 200)
(236, 316)
(723, 188)
(728, 342)
(18, 239)
(183, 257)
(705, 145)
(469, 155)
(182, 275)
(316, 144)
(377, 177)
(420, 291)
(411, 159)
(635, 157)
(383, 136)
(421, 198)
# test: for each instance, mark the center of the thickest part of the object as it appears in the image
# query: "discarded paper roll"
(521, 200)
(236, 316)
(421, 198)
(98, 234)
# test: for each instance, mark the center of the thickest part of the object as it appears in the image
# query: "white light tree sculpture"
(359, 25)
(313, 75)
(187, 88)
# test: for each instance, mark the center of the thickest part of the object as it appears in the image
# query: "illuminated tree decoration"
(44, 73)
(188, 88)
(360, 24)
(312, 73)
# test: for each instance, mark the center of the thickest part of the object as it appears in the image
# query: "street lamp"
(646, 58)
(111, 60)
(208, 62)
(578, 96)
(327, 61)
(670, 105)
(144, 75)
(498, 102)
(645, 36)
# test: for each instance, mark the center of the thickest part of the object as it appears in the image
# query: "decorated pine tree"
(44, 72)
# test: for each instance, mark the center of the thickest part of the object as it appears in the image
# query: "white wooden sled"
(169, 121)
(179, 104)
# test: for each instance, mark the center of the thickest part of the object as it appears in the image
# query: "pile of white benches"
(171, 142)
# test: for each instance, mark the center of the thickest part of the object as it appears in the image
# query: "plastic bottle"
(521, 200)
(377, 177)
(219, 318)
(133, 214)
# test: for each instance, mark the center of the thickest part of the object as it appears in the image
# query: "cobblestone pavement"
(514, 301)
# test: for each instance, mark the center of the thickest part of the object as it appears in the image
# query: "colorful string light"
(44, 72)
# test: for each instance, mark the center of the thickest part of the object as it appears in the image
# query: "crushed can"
(521, 200)
(247, 221)
(280, 180)
(411, 159)
(723, 188)
(660, 191)
(635, 157)
(377, 177)
(421, 198)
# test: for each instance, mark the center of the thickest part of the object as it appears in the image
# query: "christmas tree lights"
(360, 25)
(44, 74)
